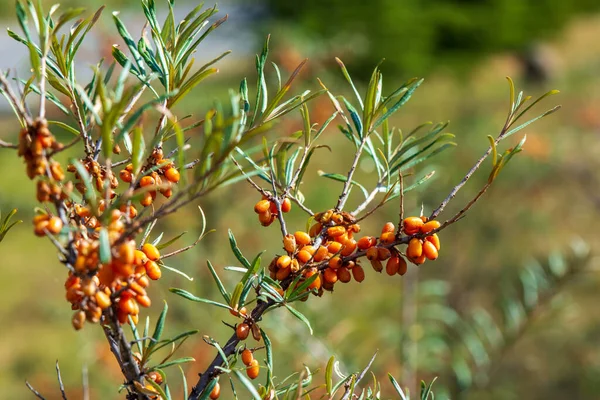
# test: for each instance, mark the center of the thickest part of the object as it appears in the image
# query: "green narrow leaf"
(104, 246)
(160, 325)
(269, 354)
(300, 316)
(236, 251)
(247, 384)
(219, 283)
(187, 295)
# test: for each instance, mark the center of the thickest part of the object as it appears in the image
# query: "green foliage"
(6, 225)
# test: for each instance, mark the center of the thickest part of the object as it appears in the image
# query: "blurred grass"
(538, 205)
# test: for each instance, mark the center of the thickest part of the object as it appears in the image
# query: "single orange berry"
(54, 225)
(172, 175)
(253, 369)
(365, 242)
(247, 357)
(139, 257)
(321, 254)
(387, 237)
(156, 377)
(435, 240)
(412, 225)
(146, 199)
(383, 253)
(316, 284)
(242, 331)
(429, 250)
(349, 247)
(102, 299)
(392, 266)
(335, 262)
(419, 260)
(334, 247)
(127, 252)
(303, 256)
(344, 275)
(153, 270)
(372, 253)
(151, 251)
(78, 320)
(128, 306)
(359, 273)
(147, 181)
(431, 225)
(284, 261)
(286, 205)
(216, 391)
(126, 176)
(261, 207)
(377, 265)
(415, 248)
(402, 268)
(302, 238)
(388, 227)
(330, 275)
(336, 231)
(283, 273)
(143, 301)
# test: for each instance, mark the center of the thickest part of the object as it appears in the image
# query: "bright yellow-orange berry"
(336, 231)
(102, 299)
(54, 225)
(126, 176)
(151, 251)
(387, 237)
(435, 240)
(321, 254)
(330, 275)
(302, 238)
(143, 301)
(419, 260)
(303, 256)
(412, 225)
(335, 262)
(266, 218)
(147, 181)
(262, 206)
(283, 273)
(429, 250)
(153, 270)
(146, 199)
(172, 175)
(334, 247)
(284, 261)
(431, 225)
(349, 247)
(365, 242)
(316, 284)
(388, 227)
(415, 248)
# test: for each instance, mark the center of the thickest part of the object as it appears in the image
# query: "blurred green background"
(546, 200)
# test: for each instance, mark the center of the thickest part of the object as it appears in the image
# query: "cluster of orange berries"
(94, 286)
(43, 223)
(267, 210)
(162, 168)
(33, 142)
(419, 250)
(98, 174)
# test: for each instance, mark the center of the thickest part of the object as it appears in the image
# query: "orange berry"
(330, 275)
(139, 257)
(303, 256)
(315, 229)
(283, 273)
(78, 320)
(387, 237)
(54, 225)
(383, 253)
(429, 250)
(435, 240)
(289, 243)
(334, 247)
(302, 238)
(266, 218)
(216, 391)
(343, 275)
(253, 369)
(147, 181)
(284, 261)
(321, 254)
(127, 252)
(392, 266)
(242, 331)
(262, 206)
(336, 231)
(126, 176)
(388, 227)
(412, 225)
(415, 248)
(431, 225)
(247, 357)
(349, 247)
(286, 205)
(359, 273)
(128, 306)
(377, 265)
(151, 251)
(424, 218)
(153, 270)
(365, 242)
(146, 199)
(172, 175)
(316, 284)
(335, 262)
(102, 299)
(156, 377)
(419, 260)
(167, 192)
(273, 207)
(402, 268)
(143, 301)
(143, 281)
(372, 253)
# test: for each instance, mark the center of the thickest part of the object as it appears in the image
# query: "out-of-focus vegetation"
(548, 198)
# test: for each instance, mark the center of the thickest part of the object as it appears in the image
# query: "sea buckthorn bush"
(138, 162)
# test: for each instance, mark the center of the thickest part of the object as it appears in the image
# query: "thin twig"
(85, 383)
(35, 392)
(186, 248)
(346, 190)
(277, 202)
(60, 382)
(13, 99)
(347, 391)
(6, 145)
(401, 178)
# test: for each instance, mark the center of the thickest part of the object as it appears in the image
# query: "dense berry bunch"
(267, 210)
